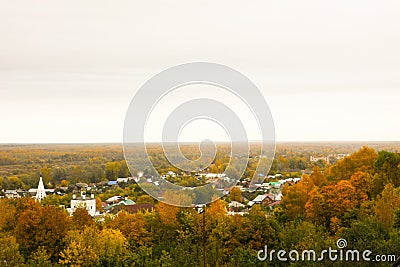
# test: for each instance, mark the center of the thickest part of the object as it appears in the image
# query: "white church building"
(41, 192)
(83, 201)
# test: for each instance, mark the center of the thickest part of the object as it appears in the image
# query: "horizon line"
(191, 142)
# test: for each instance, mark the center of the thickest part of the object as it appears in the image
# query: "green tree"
(365, 234)
(387, 164)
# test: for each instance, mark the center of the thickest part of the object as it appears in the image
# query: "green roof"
(275, 183)
(123, 202)
(127, 202)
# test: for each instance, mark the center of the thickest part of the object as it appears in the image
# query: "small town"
(267, 194)
(63, 207)
(199, 133)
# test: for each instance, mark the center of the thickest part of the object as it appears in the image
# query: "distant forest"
(64, 164)
(356, 199)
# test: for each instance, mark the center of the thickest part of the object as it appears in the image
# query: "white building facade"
(88, 202)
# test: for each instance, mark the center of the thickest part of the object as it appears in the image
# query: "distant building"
(276, 185)
(126, 202)
(41, 192)
(114, 199)
(111, 183)
(341, 156)
(262, 200)
(11, 194)
(235, 204)
(122, 180)
(83, 202)
(315, 159)
(329, 157)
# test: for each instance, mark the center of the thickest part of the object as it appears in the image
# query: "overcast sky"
(330, 70)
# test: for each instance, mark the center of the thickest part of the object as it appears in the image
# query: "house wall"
(89, 204)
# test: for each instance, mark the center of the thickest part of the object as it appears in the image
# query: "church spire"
(41, 193)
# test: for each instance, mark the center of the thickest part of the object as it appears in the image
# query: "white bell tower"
(41, 193)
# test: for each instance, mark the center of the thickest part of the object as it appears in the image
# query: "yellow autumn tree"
(386, 204)
(133, 227)
(167, 213)
(317, 177)
(296, 196)
(217, 209)
(78, 255)
(362, 160)
(235, 194)
(91, 247)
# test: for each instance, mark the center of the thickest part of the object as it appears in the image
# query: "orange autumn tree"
(7, 215)
(167, 213)
(333, 201)
(42, 227)
(133, 227)
(362, 182)
(81, 218)
(317, 177)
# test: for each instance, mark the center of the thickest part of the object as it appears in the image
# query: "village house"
(117, 201)
(11, 194)
(265, 199)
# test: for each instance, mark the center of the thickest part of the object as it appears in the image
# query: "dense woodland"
(357, 198)
(21, 165)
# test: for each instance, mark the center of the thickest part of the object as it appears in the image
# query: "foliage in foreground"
(357, 199)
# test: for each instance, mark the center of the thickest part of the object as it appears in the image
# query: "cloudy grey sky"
(329, 70)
